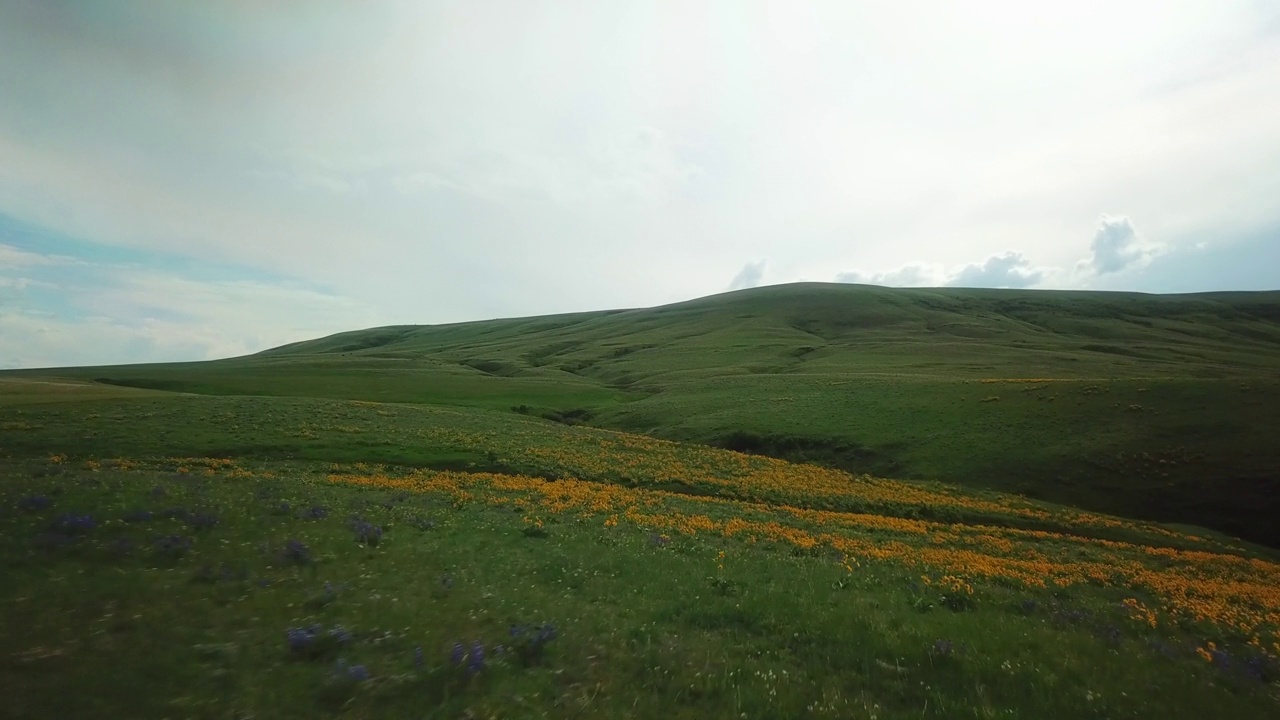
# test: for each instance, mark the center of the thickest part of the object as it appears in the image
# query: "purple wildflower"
(201, 521)
(340, 635)
(174, 545)
(34, 502)
(300, 639)
(367, 533)
(475, 661)
(296, 551)
(73, 524)
(353, 673)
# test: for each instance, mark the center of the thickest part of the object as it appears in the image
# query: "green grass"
(650, 621)
(108, 624)
(1164, 408)
(682, 581)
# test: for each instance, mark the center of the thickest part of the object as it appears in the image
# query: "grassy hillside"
(187, 555)
(1147, 406)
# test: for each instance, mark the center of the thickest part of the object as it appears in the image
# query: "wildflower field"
(167, 555)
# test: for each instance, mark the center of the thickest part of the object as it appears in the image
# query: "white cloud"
(1117, 246)
(749, 276)
(127, 315)
(22, 283)
(1007, 270)
(12, 257)
(910, 275)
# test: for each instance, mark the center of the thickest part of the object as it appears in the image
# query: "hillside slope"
(1159, 407)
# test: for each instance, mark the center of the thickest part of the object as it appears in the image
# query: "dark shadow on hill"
(1242, 504)
(147, 384)
(828, 452)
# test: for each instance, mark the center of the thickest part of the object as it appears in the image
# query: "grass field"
(447, 522)
(1159, 407)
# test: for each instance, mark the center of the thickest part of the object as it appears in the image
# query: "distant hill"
(1153, 406)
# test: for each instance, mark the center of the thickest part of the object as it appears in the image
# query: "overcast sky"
(196, 180)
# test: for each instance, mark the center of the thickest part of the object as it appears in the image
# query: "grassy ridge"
(1151, 406)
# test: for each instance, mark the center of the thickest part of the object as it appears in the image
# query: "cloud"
(749, 276)
(1117, 246)
(21, 283)
(11, 257)
(1007, 270)
(910, 275)
(107, 313)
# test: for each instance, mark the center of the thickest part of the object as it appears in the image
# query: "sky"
(187, 181)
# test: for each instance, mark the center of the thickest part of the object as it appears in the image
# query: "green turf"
(177, 601)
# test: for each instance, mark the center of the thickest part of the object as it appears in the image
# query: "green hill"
(1159, 407)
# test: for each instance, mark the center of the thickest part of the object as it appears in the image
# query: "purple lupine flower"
(300, 639)
(73, 524)
(201, 521)
(367, 533)
(175, 545)
(34, 502)
(340, 635)
(1256, 668)
(1112, 634)
(458, 653)
(942, 648)
(475, 660)
(418, 659)
(296, 551)
(546, 634)
(352, 673)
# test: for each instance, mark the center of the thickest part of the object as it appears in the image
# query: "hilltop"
(1151, 406)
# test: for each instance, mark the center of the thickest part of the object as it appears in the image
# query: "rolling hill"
(1147, 406)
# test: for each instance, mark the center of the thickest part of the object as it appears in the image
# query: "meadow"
(1146, 406)
(170, 555)
(805, 501)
